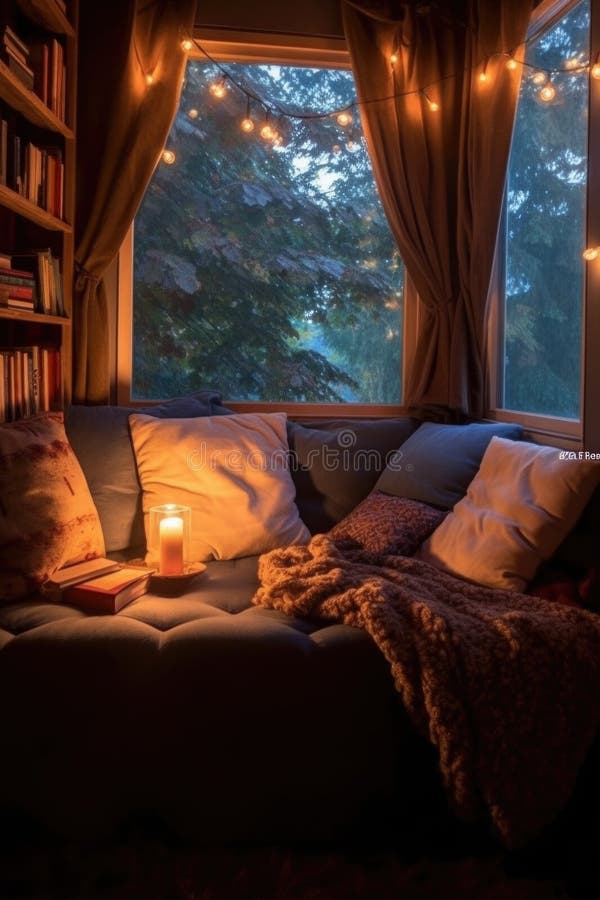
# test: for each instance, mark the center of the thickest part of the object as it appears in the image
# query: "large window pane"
(546, 227)
(266, 271)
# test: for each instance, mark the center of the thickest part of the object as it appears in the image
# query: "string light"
(433, 106)
(267, 133)
(344, 117)
(247, 125)
(591, 253)
(218, 89)
(168, 157)
(548, 93)
(149, 78)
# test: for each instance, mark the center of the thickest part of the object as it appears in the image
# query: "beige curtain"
(441, 173)
(122, 124)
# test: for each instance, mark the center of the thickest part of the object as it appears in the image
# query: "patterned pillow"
(384, 524)
(47, 515)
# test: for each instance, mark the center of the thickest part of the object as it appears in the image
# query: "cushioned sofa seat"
(227, 721)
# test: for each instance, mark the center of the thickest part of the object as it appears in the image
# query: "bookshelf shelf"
(29, 104)
(40, 318)
(48, 14)
(9, 199)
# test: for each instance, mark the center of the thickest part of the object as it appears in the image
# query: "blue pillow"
(101, 440)
(438, 462)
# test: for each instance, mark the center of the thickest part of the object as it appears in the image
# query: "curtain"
(441, 173)
(122, 124)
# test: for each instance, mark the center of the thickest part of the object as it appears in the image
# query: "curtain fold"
(122, 124)
(441, 173)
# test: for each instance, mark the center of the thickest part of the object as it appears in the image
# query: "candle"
(171, 546)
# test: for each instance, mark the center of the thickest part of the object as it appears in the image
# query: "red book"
(20, 292)
(109, 593)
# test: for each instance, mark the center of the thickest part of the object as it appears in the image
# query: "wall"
(315, 17)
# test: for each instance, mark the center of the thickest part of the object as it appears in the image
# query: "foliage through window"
(268, 272)
(546, 217)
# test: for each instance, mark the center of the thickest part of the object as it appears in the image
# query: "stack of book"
(44, 268)
(36, 173)
(17, 286)
(99, 586)
(30, 381)
(16, 55)
(47, 62)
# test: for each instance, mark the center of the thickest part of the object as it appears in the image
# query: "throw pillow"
(383, 524)
(518, 508)
(335, 463)
(233, 471)
(101, 439)
(47, 515)
(436, 464)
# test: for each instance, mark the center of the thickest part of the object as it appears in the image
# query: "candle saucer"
(170, 585)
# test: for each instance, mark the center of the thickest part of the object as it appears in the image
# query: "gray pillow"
(438, 462)
(335, 463)
(101, 440)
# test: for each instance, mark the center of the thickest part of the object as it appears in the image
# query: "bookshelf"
(38, 83)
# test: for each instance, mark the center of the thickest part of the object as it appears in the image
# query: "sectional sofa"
(226, 720)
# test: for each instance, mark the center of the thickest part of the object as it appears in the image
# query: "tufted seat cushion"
(228, 721)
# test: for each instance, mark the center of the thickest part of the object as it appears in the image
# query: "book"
(83, 571)
(107, 594)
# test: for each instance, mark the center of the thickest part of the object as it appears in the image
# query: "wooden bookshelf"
(25, 225)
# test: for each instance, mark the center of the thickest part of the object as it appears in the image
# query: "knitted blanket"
(504, 685)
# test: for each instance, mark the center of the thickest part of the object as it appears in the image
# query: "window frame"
(582, 431)
(226, 45)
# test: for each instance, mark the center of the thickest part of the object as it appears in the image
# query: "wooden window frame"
(229, 45)
(585, 431)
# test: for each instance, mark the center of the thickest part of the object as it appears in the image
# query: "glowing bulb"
(344, 118)
(193, 113)
(483, 77)
(247, 125)
(218, 89)
(539, 77)
(511, 64)
(186, 45)
(595, 70)
(394, 58)
(149, 78)
(336, 148)
(267, 133)
(168, 157)
(591, 253)
(548, 93)
(572, 63)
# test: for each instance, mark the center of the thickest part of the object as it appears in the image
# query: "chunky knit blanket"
(506, 686)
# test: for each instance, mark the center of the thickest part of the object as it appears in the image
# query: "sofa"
(225, 720)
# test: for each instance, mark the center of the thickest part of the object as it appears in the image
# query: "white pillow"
(231, 470)
(522, 503)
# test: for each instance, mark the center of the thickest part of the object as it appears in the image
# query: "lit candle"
(171, 546)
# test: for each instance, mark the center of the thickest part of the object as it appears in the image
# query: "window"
(544, 273)
(267, 271)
